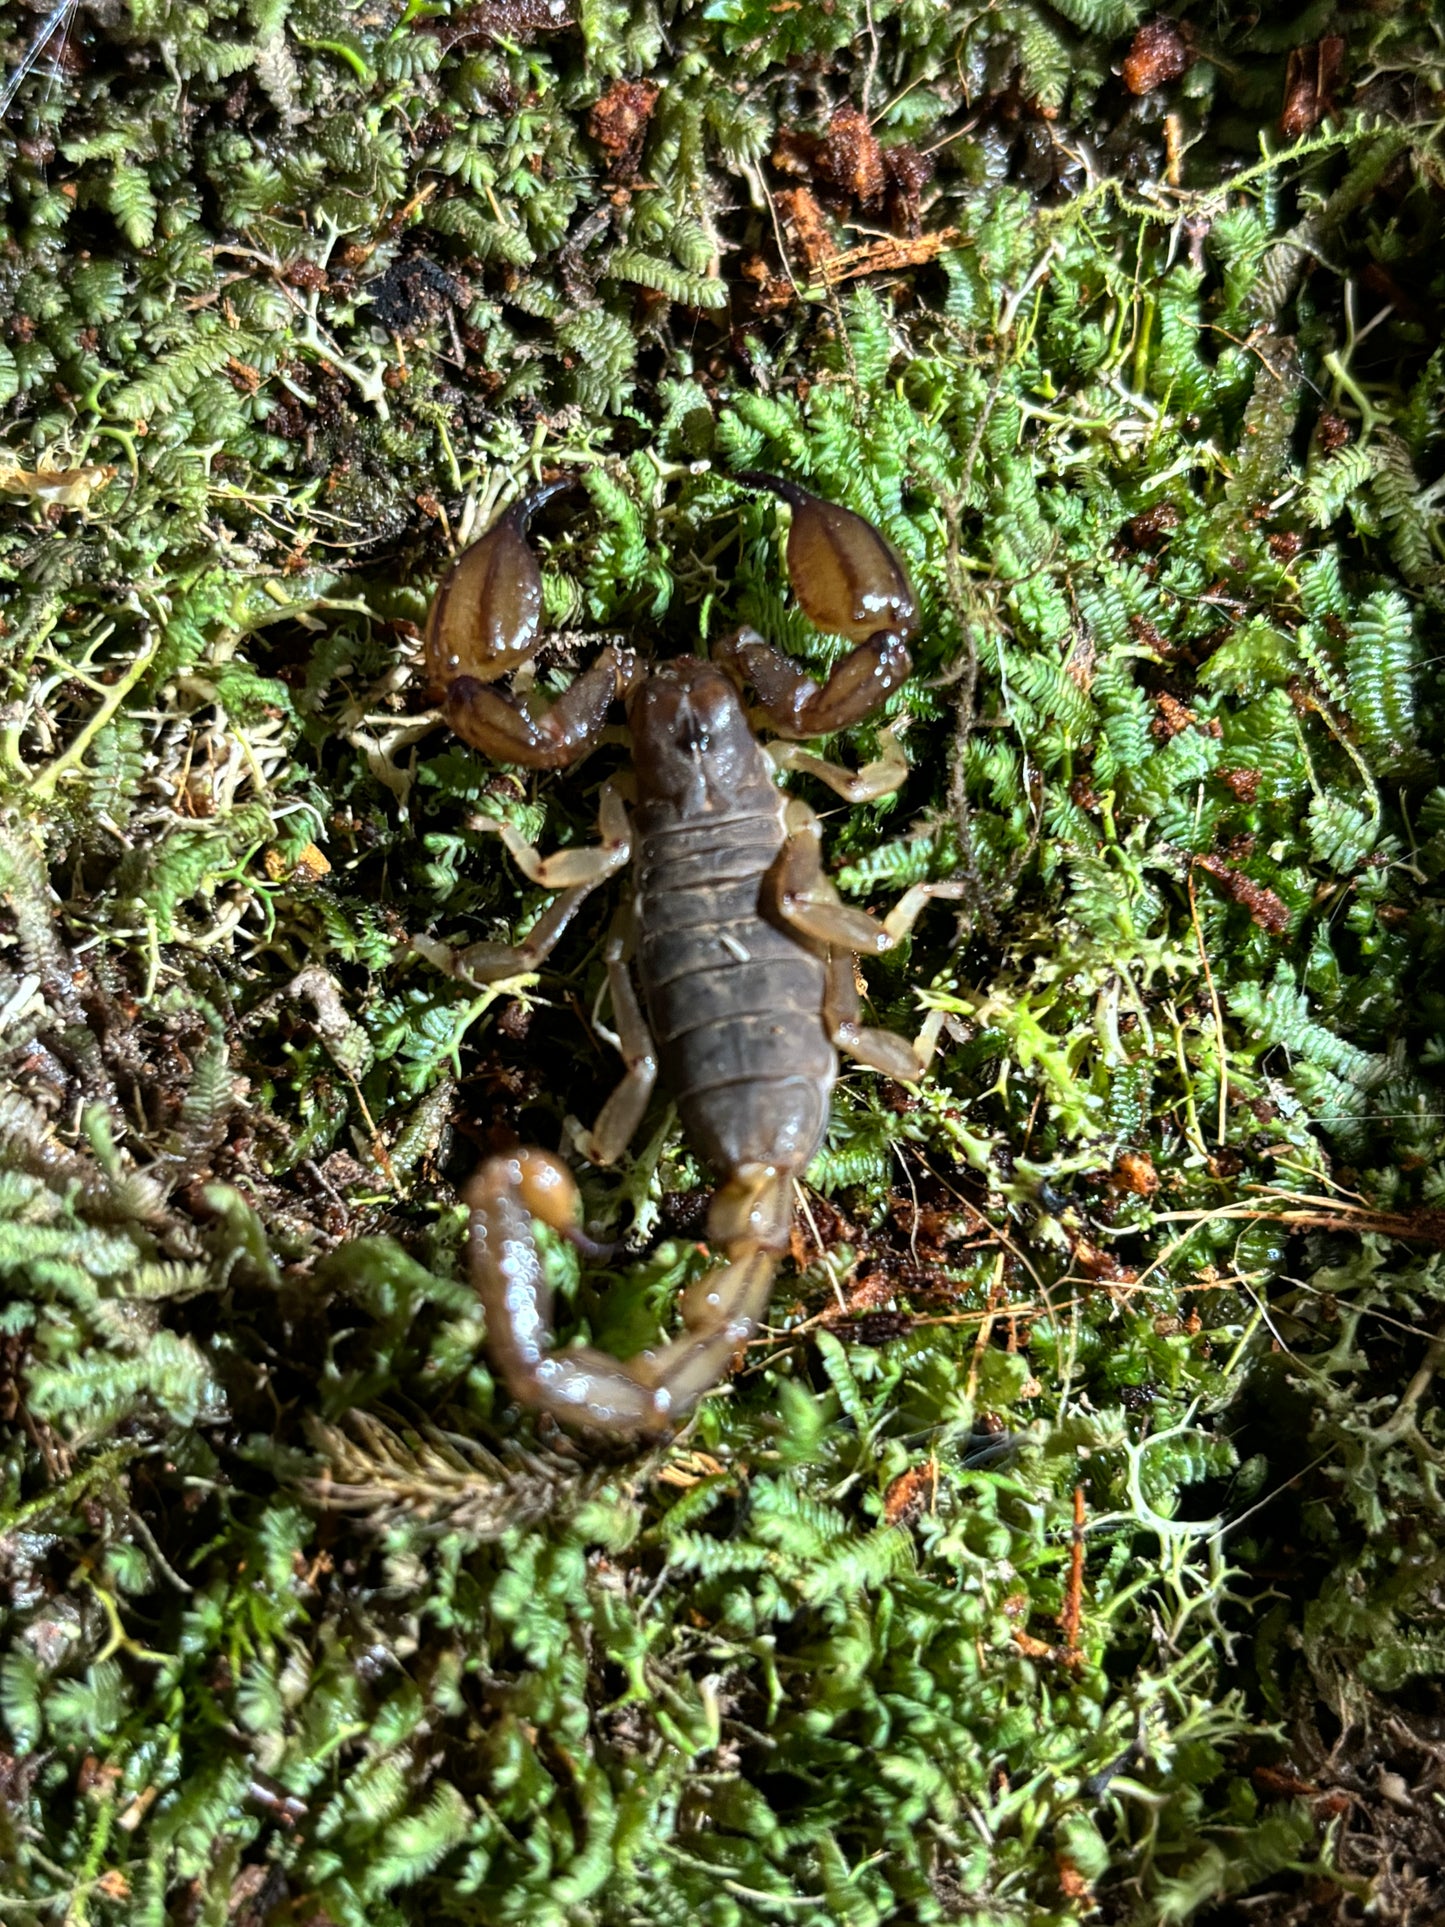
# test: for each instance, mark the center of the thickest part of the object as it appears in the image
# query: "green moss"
(303, 1622)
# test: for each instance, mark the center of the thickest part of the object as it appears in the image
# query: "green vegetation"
(1070, 1548)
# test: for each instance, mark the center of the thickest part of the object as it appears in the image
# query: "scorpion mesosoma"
(744, 950)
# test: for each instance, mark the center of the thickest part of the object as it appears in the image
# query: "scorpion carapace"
(743, 948)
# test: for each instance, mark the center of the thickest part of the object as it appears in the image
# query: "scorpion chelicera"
(744, 950)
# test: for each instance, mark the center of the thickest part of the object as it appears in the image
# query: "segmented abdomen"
(736, 1005)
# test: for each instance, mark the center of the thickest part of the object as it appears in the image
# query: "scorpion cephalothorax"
(743, 948)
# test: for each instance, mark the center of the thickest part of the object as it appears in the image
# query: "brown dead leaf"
(911, 1493)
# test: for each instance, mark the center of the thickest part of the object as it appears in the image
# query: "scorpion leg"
(622, 1113)
(801, 892)
(565, 869)
(879, 778)
(583, 1386)
(575, 873)
(879, 1050)
(489, 963)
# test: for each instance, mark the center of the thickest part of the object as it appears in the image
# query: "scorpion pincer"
(743, 948)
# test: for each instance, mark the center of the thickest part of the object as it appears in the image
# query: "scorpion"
(743, 947)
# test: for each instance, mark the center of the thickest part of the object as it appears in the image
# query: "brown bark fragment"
(806, 226)
(618, 123)
(1309, 84)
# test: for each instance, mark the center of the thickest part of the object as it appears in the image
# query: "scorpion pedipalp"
(850, 581)
(484, 624)
(488, 607)
(847, 575)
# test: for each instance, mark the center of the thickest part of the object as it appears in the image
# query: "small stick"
(1073, 1610)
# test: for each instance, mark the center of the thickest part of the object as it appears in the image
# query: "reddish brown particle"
(1072, 1884)
(878, 1327)
(1286, 544)
(850, 158)
(908, 172)
(1173, 717)
(774, 291)
(847, 162)
(618, 123)
(507, 19)
(1332, 433)
(796, 153)
(1150, 529)
(515, 1020)
(910, 1493)
(1159, 53)
(309, 275)
(873, 1292)
(803, 220)
(1143, 630)
(1134, 1172)
(1092, 1262)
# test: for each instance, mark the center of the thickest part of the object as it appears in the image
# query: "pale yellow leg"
(803, 894)
(569, 869)
(878, 778)
(622, 1113)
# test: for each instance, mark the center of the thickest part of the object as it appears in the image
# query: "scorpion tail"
(585, 1388)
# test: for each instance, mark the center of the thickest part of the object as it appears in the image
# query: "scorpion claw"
(486, 614)
(847, 575)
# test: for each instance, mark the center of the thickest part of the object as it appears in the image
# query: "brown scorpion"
(744, 950)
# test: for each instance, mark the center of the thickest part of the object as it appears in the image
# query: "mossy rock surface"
(1068, 1549)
